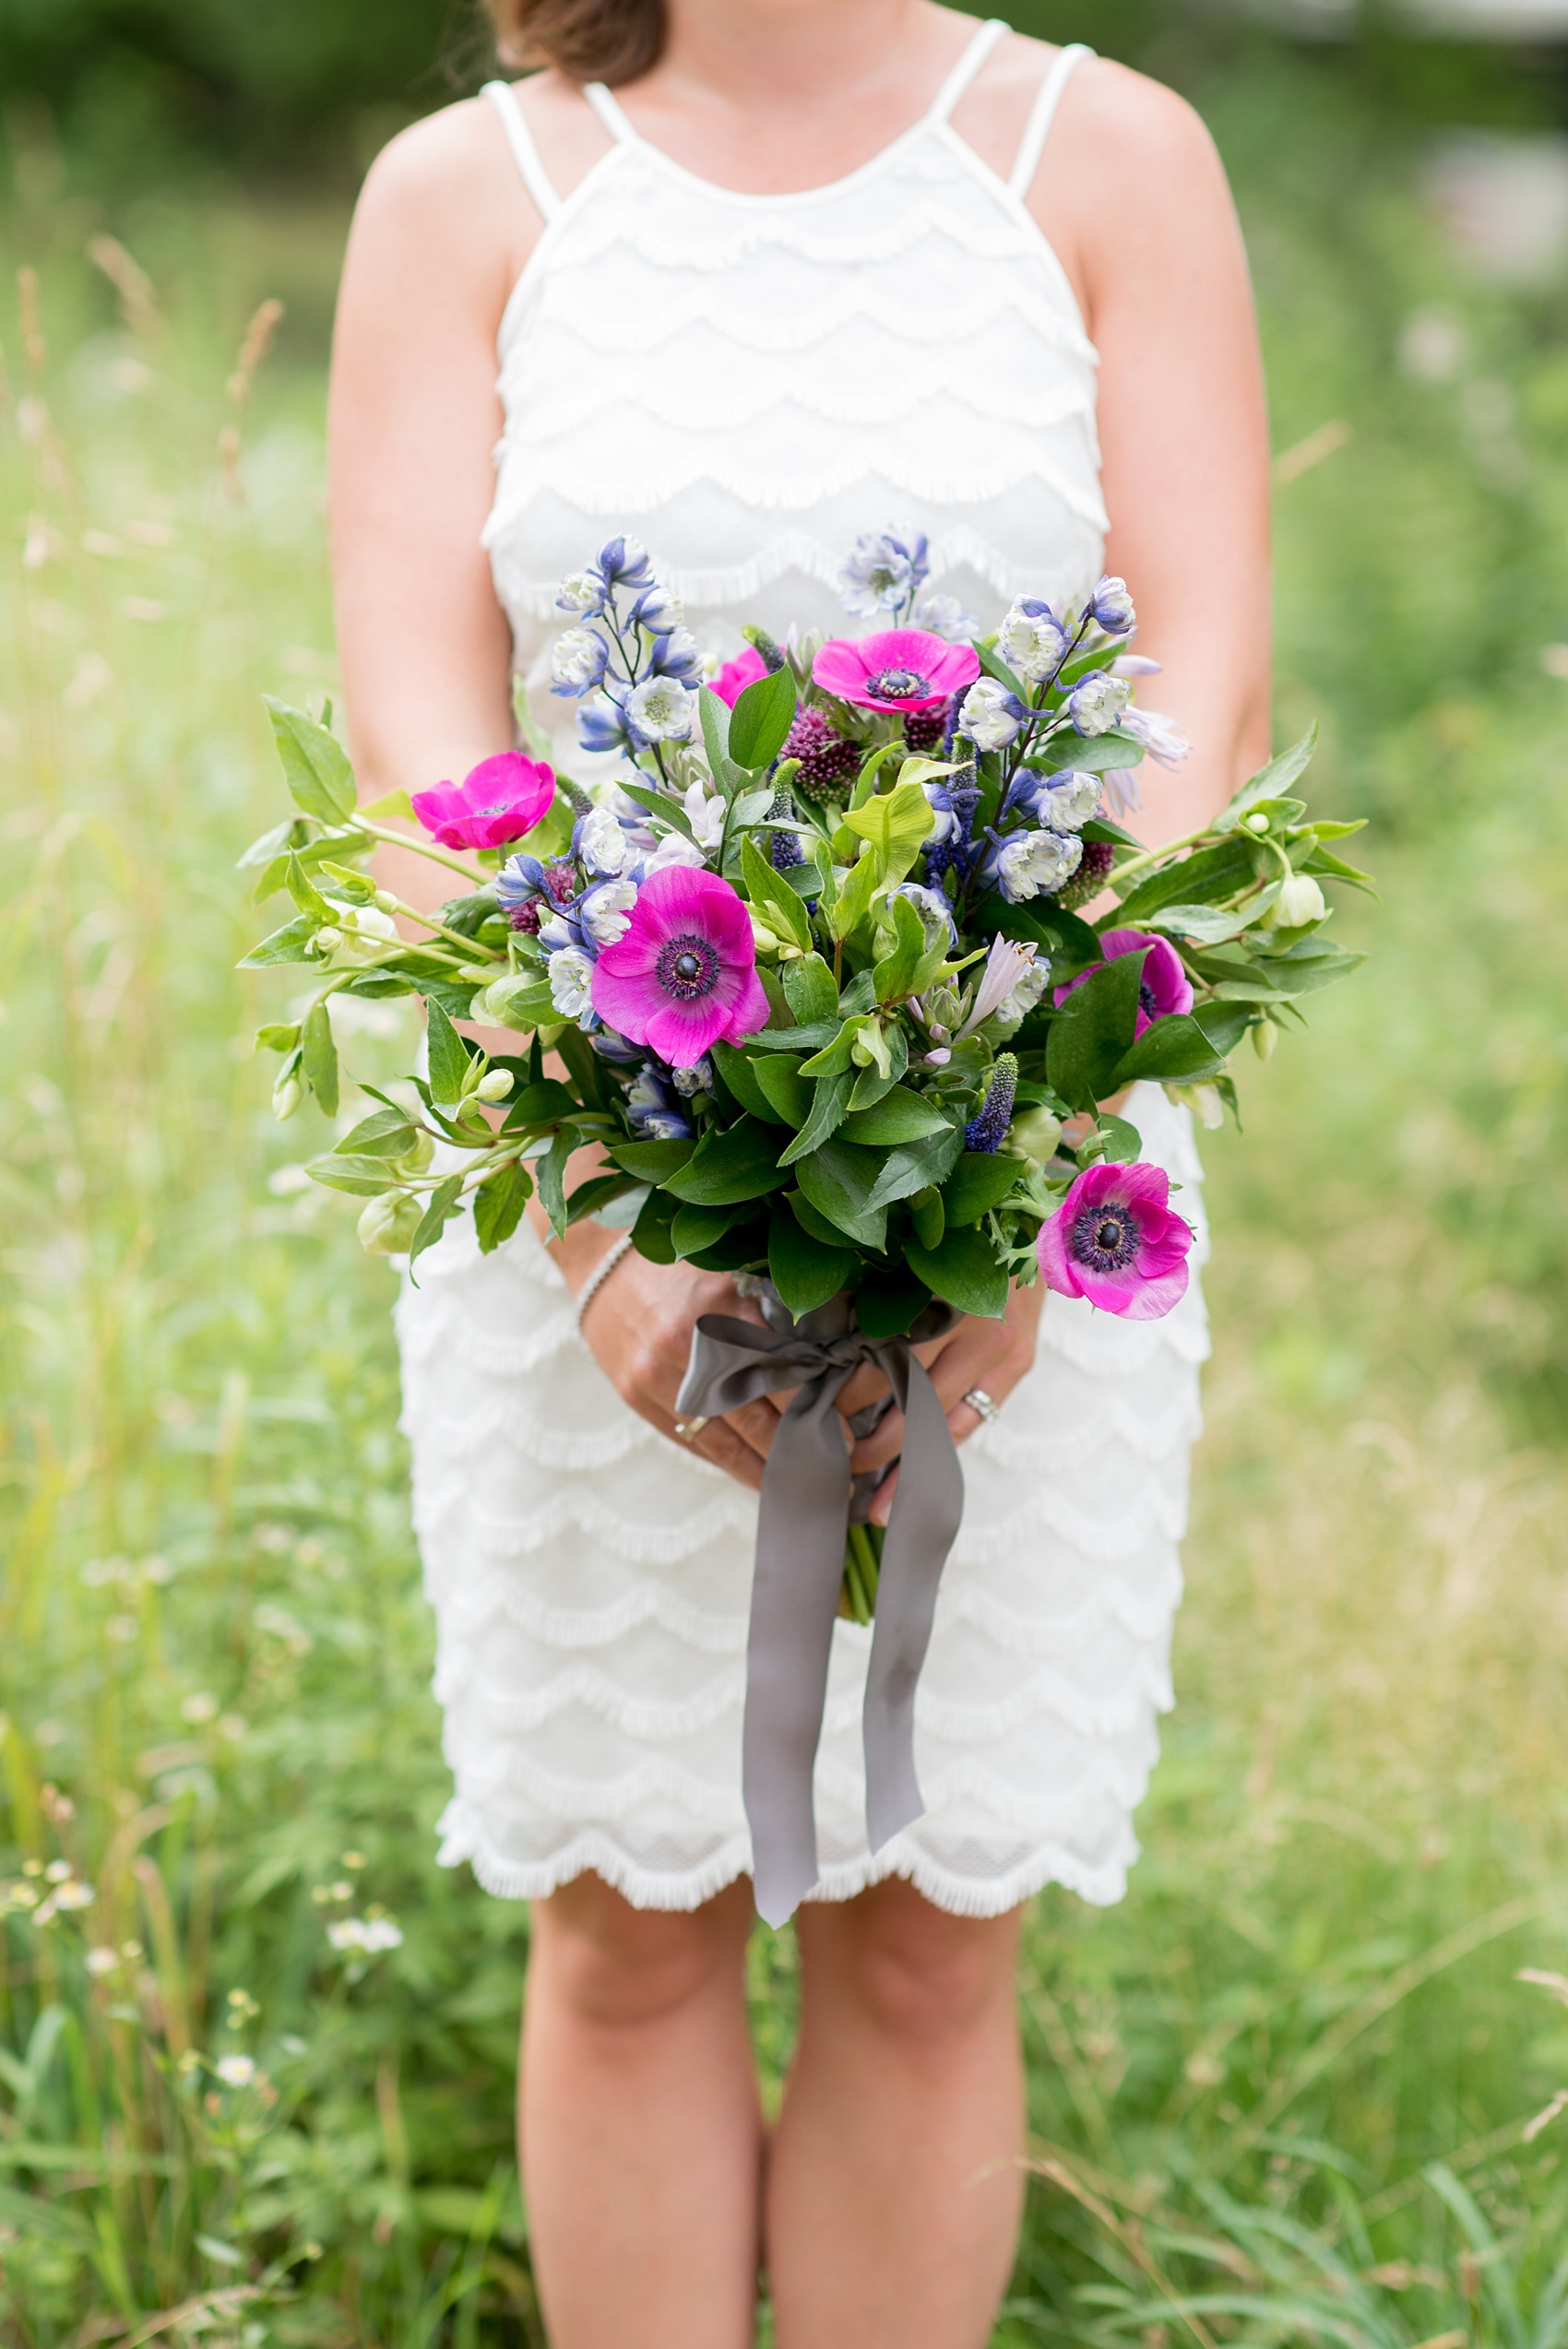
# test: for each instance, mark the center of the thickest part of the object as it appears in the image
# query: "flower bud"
(1037, 1133)
(501, 1002)
(329, 938)
(385, 902)
(495, 1086)
(387, 1225)
(287, 1094)
(1265, 1036)
(415, 1159)
(1202, 1100)
(1298, 902)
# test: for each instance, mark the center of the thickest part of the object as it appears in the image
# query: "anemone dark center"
(1145, 999)
(1105, 1239)
(686, 967)
(899, 686)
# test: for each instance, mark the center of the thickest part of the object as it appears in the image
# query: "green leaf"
(743, 1078)
(498, 1205)
(660, 803)
(1093, 1030)
(774, 901)
(929, 1216)
(1174, 1049)
(448, 1056)
(838, 1181)
(650, 1233)
(745, 1242)
(1121, 1141)
(886, 1302)
(837, 1055)
(810, 1220)
(964, 1271)
(363, 1174)
(596, 1192)
(805, 1271)
(788, 1094)
(829, 1100)
(1269, 782)
(899, 1116)
(1223, 1023)
(289, 945)
(852, 903)
(1197, 879)
(914, 1166)
(698, 1228)
(551, 1174)
(761, 719)
(545, 1102)
(728, 1168)
(1071, 943)
(894, 823)
(894, 977)
(319, 1058)
(1210, 926)
(433, 1223)
(273, 847)
(315, 766)
(651, 1161)
(980, 1181)
(387, 1134)
(713, 711)
(808, 984)
(396, 802)
(278, 1037)
(1088, 754)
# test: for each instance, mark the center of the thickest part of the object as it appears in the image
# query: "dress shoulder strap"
(975, 54)
(608, 107)
(1042, 113)
(525, 154)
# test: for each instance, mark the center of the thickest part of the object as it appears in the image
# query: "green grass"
(1283, 2092)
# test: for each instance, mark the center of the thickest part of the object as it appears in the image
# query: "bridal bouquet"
(816, 969)
(834, 969)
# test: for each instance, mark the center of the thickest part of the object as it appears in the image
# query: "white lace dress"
(748, 382)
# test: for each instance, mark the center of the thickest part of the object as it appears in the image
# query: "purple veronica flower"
(1115, 1241)
(988, 1128)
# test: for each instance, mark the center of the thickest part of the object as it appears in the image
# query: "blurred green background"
(1294, 2089)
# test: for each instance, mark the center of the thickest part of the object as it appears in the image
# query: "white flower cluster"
(364, 1936)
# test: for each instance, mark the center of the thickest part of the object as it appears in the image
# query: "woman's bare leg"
(883, 2228)
(638, 2122)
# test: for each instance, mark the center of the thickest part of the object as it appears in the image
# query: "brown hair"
(611, 41)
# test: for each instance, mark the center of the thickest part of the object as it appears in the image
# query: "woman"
(814, 267)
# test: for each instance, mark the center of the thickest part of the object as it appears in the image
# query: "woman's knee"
(614, 1966)
(916, 1973)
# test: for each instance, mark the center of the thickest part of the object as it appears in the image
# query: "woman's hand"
(638, 1329)
(990, 1355)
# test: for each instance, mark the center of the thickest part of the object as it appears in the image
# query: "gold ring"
(688, 1429)
(978, 1400)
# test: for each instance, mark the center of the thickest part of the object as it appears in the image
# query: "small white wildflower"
(365, 1936)
(74, 1894)
(102, 1960)
(58, 1871)
(235, 2071)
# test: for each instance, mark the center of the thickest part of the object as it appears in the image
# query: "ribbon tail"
(927, 1508)
(800, 1559)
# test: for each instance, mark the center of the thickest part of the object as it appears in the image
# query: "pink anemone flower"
(737, 674)
(1115, 1241)
(1163, 984)
(498, 801)
(902, 669)
(683, 977)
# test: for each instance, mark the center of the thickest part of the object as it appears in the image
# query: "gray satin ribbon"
(809, 1498)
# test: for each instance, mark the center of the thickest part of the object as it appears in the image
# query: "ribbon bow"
(809, 1498)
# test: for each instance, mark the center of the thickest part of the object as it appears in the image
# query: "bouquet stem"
(863, 1569)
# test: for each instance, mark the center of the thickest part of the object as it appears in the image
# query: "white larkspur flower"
(934, 910)
(1161, 735)
(555, 933)
(661, 710)
(705, 816)
(1068, 800)
(653, 1116)
(944, 616)
(603, 845)
(696, 1079)
(1032, 642)
(1021, 998)
(577, 660)
(1111, 605)
(1097, 702)
(571, 982)
(879, 571)
(606, 912)
(1030, 864)
(235, 2071)
(991, 716)
(674, 848)
(581, 591)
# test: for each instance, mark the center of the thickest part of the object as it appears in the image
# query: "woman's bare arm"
(1134, 198)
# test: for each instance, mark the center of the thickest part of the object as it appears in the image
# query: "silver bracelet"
(599, 1275)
